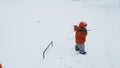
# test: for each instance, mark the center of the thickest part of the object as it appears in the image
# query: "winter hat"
(82, 24)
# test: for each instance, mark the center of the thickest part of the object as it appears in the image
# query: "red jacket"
(80, 37)
(81, 33)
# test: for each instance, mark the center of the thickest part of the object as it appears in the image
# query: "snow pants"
(80, 47)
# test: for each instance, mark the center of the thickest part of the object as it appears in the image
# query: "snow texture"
(28, 26)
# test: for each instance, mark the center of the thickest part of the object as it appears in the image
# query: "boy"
(80, 37)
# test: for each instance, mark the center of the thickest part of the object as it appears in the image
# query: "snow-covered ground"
(28, 26)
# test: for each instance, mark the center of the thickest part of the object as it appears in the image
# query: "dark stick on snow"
(51, 43)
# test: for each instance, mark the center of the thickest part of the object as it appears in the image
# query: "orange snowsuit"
(81, 33)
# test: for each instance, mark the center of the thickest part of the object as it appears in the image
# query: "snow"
(28, 26)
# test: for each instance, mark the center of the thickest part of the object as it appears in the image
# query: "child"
(80, 37)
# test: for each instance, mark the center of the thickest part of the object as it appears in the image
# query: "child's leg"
(81, 48)
(76, 47)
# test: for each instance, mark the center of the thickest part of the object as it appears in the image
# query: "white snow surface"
(28, 26)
